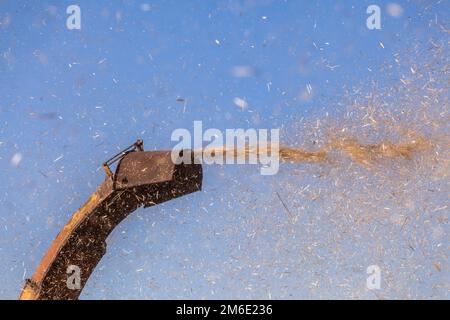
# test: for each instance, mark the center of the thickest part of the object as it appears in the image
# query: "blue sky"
(69, 99)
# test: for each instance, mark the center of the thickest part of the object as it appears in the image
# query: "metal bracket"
(137, 146)
(82, 241)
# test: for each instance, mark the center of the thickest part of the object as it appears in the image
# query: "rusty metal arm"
(141, 179)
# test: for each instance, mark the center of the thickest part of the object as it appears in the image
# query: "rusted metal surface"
(139, 168)
(141, 179)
